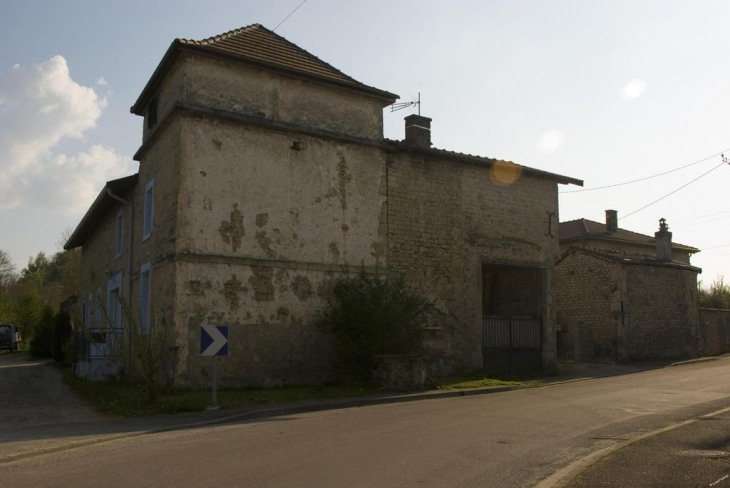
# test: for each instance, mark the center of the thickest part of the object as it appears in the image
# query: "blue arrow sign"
(214, 340)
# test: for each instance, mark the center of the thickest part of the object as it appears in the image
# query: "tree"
(717, 296)
(7, 271)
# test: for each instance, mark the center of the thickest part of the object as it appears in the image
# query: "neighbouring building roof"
(623, 257)
(257, 46)
(103, 203)
(581, 229)
(478, 161)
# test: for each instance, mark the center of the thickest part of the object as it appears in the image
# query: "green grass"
(126, 399)
(477, 381)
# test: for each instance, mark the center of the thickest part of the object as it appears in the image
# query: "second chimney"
(418, 131)
(611, 221)
(663, 242)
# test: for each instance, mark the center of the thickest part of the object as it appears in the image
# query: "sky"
(604, 91)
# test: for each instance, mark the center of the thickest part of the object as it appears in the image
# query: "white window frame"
(118, 243)
(145, 293)
(148, 211)
(114, 310)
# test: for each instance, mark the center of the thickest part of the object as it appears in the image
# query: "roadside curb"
(697, 360)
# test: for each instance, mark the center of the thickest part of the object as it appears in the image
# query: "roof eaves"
(162, 67)
(479, 160)
(96, 210)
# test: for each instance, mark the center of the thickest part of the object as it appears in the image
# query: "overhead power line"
(675, 191)
(290, 14)
(715, 247)
(647, 177)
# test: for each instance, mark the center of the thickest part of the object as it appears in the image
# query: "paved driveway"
(36, 406)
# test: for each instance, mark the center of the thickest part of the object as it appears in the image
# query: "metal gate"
(512, 345)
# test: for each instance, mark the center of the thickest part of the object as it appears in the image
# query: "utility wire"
(674, 191)
(647, 177)
(714, 247)
(292, 13)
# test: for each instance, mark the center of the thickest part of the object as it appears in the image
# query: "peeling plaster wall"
(270, 311)
(444, 220)
(246, 192)
(263, 231)
(248, 91)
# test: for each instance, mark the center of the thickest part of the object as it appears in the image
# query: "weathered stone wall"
(271, 310)
(445, 219)
(714, 336)
(662, 321)
(246, 192)
(169, 92)
(98, 263)
(219, 85)
(263, 231)
(588, 292)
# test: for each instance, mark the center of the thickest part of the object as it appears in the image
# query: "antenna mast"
(400, 106)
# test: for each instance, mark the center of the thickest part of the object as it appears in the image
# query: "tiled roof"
(589, 229)
(255, 44)
(258, 43)
(99, 208)
(479, 160)
(629, 257)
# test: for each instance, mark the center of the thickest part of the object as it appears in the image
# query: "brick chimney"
(418, 131)
(663, 242)
(611, 221)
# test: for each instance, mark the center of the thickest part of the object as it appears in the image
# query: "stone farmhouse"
(625, 296)
(264, 176)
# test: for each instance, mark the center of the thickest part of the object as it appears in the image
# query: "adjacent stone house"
(264, 176)
(624, 296)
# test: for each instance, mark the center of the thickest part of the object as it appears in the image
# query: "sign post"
(214, 343)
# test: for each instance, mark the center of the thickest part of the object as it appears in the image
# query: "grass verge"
(478, 381)
(126, 399)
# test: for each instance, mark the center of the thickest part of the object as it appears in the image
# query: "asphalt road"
(514, 438)
(693, 455)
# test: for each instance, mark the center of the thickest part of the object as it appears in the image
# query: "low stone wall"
(714, 333)
(400, 372)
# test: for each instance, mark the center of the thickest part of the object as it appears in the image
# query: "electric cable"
(290, 14)
(673, 192)
(646, 177)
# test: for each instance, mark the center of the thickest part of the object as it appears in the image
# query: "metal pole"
(214, 384)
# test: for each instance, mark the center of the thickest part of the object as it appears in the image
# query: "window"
(149, 209)
(145, 276)
(152, 113)
(113, 301)
(120, 232)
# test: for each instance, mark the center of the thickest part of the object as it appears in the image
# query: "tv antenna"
(400, 106)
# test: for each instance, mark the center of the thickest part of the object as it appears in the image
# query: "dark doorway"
(512, 301)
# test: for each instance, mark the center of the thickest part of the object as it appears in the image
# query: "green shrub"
(41, 345)
(371, 316)
(717, 296)
(61, 334)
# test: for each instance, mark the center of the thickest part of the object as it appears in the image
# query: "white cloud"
(550, 141)
(42, 105)
(633, 89)
(101, 81)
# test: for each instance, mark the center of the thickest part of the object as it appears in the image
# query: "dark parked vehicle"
(9, 337)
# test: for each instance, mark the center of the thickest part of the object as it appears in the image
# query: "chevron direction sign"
(214, 340)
